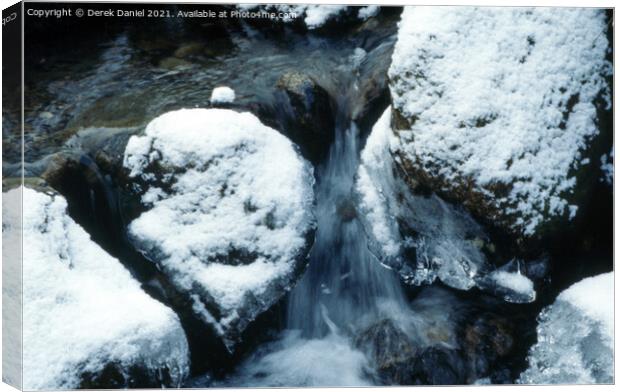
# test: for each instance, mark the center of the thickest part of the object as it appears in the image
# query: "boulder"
(86, 321)
(392, 352)
(439, 366)
(487, 339)
(310, 120)
(485, 117)
(226, 212)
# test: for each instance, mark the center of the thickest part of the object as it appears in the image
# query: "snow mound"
(575, 336)
(502, 101)
(229, 211)
(222, 94)
(83, 312)
(422, 237)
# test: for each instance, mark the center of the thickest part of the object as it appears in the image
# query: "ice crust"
(421, 236)
(575, 336)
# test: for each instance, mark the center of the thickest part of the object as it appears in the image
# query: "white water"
(343, 290)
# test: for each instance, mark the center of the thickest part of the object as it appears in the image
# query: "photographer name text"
(156, 13)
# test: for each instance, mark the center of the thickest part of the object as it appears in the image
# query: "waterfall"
(343, 285)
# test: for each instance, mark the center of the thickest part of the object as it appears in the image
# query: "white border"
(555, 3)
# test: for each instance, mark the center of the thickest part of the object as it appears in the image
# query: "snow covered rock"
(222, 95)
(575, 336)
(419, 235)
(496, 107)
(86, 321)
(228, 212)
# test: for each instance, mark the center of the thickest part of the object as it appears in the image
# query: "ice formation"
(229, 211)
(515, 286)
(503, 98)
(575, 336)
(82, 310)
(421, 236)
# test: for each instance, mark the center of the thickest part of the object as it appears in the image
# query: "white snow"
(575, 336)
(375, 183)
(82, 309)
(12, 287)
(315, 15)
(222, 94)
(490, 91)
(236, 212)
(515, 283)
(607, 167)
(318, 15)
(368, 12)
(594, 298)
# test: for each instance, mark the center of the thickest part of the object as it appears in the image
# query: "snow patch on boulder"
(503, 100)
(83, 311)
(229, 211)
(575, 336)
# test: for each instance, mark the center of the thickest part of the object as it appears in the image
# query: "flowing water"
(344, 290)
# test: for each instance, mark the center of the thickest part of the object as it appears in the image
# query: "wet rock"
(439, 366)
(311, 121)
(392, 352)
(174, 63)
(36, 183)
(346, 209)
(104, 146)
(190, 49)
(486, 340)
